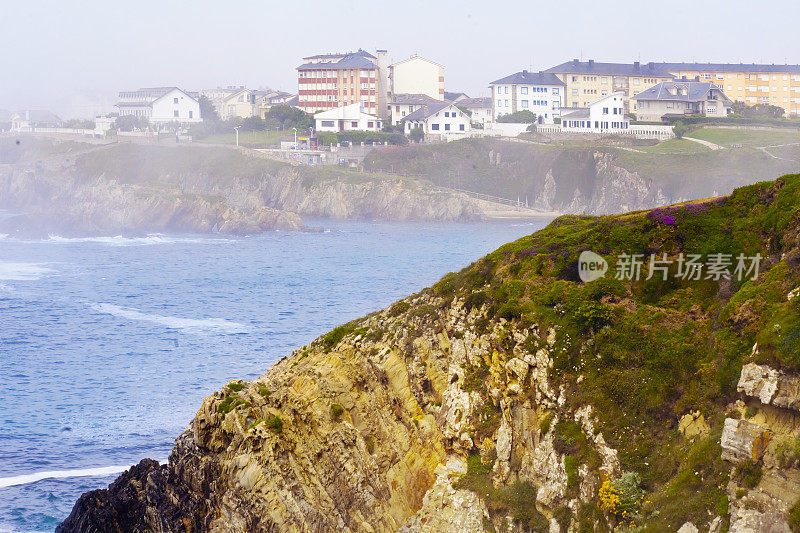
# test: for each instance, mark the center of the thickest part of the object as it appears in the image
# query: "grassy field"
(676, 146)
(251, 139)
(728, 136)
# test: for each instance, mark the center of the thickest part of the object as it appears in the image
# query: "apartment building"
(681, 97)
(777, 85)
(538, 92)
(417, 75)
(328, 81)
(587, 81)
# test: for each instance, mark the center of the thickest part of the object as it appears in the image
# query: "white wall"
(543, 101)
(188, 109)
(417, 76)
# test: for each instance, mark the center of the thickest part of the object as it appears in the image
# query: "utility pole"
(236, 129)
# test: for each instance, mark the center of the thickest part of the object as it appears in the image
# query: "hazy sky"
(74, 56)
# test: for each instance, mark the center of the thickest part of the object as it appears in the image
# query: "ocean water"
(109, 345)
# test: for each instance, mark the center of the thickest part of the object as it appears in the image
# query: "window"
(175, 113)
(605, 111)
(555, 90)
(354, 124)
(524, 104)
(461, 127)
(175, 101)
(447, 127)
(191, 114)
(435, 127)
(523, 90)
(370, 124)
(327, 123)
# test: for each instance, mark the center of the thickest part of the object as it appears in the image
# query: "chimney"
(636, 65)
(575, 61)
(591, 62)
(383, 84)
(524, 72)
(651, 65)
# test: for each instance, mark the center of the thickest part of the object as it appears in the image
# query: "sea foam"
(172, 322)
(22, 271)
(25, 479)
(119, 240)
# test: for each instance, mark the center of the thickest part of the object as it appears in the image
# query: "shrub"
(274, 424)
(398, 308)
(592, 316)
(748, 473)
(794, 517)
(369, 442)
(335, 336)
(544, 425)
(229, 404)
(520, 117)
(680, 129)
(235, 386)
(263, 391)
(336, 411)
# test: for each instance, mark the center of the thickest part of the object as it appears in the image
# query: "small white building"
(439, 122)
(540, 93)
(403, 105)
(30, 119)
(346, 118)
(160, 105)
(606, 115)
(417, 75)
(480, 109)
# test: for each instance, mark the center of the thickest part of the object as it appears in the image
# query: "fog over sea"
(108, 345)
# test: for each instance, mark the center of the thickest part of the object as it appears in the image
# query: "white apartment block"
(541, 94)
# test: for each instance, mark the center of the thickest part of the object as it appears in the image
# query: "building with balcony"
(588, 81)
(540, 93)
(479, 109)
(777, 85)
(328, 81)
(681, 97)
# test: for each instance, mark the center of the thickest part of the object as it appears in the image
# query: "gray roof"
(530, 78)
(729, 67)
(696, 91)
(472, 103)
(413, 99)
(427, 110)
(453, 96)
(358, 59)
(39, 116)
(147, 92)
(610, 69)
(360, 52)
(575, 113)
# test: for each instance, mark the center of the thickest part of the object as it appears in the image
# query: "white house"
(480, 109)
(405, 104)
(540, 93)
(417, 75)
(439, 122)
(161, 105)
(30, 119)
(606, 115)
(346, 118)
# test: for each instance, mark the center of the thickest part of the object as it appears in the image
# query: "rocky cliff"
(512, 396)
(74, 188)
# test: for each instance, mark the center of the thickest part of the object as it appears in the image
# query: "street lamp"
(236, 129)
(295, 138)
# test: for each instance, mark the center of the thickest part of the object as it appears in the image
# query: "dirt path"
(707, 144)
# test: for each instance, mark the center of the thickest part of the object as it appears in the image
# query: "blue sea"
(109, 345)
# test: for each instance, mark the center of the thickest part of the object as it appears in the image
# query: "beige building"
(328, 81)
(417, 75)
(777, 85)
(588, 81)
(681, 97)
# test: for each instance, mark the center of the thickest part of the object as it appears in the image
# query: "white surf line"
(26, 479)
